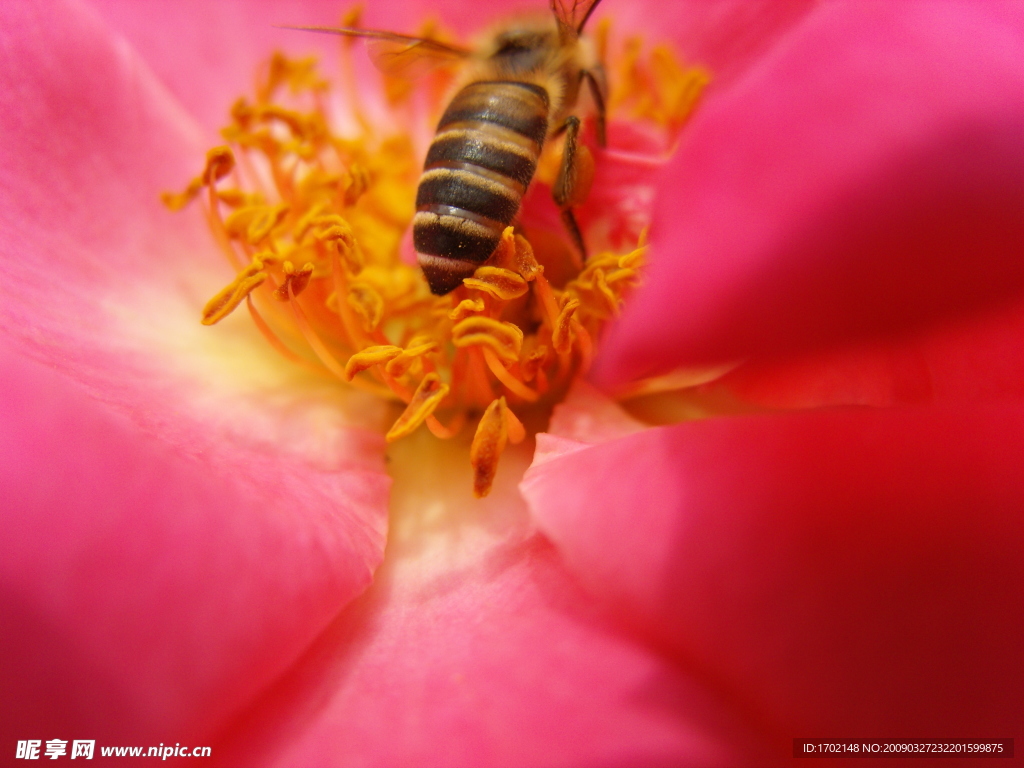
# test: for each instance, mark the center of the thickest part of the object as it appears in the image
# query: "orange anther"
(486, 340)
(370, 357)
(307, 221)
(488, 445)
(337, 234)
(635, 258)
(619, 276)
(242, 112)
(296, 123)
(295, 281)
(508, 334)
(601, 286)
(525, 261)
(504, 254)
(235, 198)
(356, 184)
(465, 308)
(367, 304)
(220, 161)
(225, 302)
(561, 337)
(533, 358)
(418, 347)
(252, 223)
(175, 201)
(425, 399)
(265, 222)
(500, 283)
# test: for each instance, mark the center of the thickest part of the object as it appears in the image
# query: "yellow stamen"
(399, 365)
(508, 336)
(427, 397)
(514, 427)
(525, 261)
(488, 444)
(503, 284)
(370, 357)
(295, 281)
(465, 308)
(311, 337)
(272, 337)
(338, 204)
(561, 337)
(350, 323)
(501, 373)
(225, 302)
(367, 304)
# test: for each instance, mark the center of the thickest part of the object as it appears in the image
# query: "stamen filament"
(356, 338)
(506, 378)
(442, 432)
(586, 346)
(547, 299)
(514, 427)
(274, 340)
(311, 337)
(479, 384)
(220, 233)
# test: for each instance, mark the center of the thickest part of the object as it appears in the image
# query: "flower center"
(310, 202)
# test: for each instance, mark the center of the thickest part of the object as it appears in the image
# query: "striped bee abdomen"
(476, 172)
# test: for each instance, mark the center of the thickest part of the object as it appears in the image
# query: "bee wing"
(403, 58)
(396, 54)
(572, 15)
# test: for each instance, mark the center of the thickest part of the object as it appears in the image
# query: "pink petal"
(864, 178)
(840, 572)
(208, 53)
(979, 359)
(220, 44)
(726, 36)
(589, 416)
(149, 592)
(474, 647)
(182, 514)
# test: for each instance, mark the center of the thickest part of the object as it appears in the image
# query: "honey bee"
(519, 90)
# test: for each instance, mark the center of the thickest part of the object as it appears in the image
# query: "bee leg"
(569, 220)
(574, 178)
(597, 85)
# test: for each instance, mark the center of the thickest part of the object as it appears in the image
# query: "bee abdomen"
(519, 107)
(476, 172)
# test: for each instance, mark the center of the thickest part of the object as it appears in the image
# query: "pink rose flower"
(194, 533)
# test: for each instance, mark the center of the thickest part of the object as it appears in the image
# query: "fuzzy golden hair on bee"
(519, 88)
